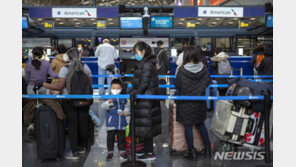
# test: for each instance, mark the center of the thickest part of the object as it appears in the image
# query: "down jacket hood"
(194, 68)
(220, 57)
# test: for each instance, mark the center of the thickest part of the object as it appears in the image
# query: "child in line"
(117, 110)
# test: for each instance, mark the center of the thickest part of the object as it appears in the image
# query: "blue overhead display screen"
(131, 22)
(25, 22)
(269, 21)
(161, 22)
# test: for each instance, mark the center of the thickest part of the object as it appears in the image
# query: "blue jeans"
(189, 135)
(102, 80)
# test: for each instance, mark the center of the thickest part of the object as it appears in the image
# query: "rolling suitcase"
(177, 132)
(255, 131)
(49, 133)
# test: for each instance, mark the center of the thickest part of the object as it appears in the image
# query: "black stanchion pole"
(266, 126)
(133, 162)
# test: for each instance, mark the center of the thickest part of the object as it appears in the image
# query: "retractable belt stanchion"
(266, 126)
(133, 162)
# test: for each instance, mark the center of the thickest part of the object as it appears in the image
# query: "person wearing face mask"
(117, 110)
(58, 62)
(147, 111)
(82, 51)
(77, 116)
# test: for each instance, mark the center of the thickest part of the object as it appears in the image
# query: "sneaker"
(30, 129)
(123, 156)
(81, 150)
(109, 156)
(147, 156)
(72, 156)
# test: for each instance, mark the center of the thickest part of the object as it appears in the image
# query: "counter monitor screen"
(131, 22)
(269, 21)
(25, 22)
(161, 22)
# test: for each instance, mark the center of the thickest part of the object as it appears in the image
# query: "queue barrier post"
(267, 105)
(133, 162)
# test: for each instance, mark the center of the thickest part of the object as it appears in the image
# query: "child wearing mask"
(117, 110)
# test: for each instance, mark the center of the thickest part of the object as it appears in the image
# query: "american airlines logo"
(220, 12)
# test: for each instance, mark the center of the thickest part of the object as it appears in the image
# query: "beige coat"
(56, 64)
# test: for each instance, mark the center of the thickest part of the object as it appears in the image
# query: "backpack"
(224, 68)
(158, 66)
(80, 85)
(259, 59)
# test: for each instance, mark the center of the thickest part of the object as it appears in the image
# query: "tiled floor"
(97, 154)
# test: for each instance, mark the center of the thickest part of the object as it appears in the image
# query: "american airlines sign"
(220, 12)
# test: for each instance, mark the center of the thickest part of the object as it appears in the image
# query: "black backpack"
(80, 85)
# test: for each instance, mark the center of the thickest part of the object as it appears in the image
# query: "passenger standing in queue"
(147, 111)
(35, 73)
(163, 65)
(221, 66)
(117, 110)
(77, 117)
(82, 51)
(192, 80)
(258, 55)
(58, 62)
(106, 54)
(266, 65)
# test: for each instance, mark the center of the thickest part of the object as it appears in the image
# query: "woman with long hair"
(192, 80)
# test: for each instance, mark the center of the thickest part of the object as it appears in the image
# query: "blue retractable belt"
(145, 97)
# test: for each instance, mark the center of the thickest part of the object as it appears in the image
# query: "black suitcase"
(49, 134)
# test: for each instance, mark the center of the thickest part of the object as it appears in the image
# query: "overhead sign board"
(220, 12)
(49, 24)
(190, 24)
(101, 24)
(243, 24)
(74, 12)
(161, 22)
(130, 42)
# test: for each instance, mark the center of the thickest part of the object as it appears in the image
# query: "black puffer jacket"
(147, 112)
(266, 66)
(192, 84)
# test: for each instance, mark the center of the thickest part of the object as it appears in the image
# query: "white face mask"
(79, 49)
(115, 91)
(65, 57)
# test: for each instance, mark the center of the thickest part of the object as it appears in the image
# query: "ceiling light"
(111, 23)
(253, 18)
(214, 22)
(77, 23)
(197, 22)
(61, 23)
(199, 19)
(58, 19)
(75, 19)
(235, 18)
(93, 19)
(182, 19)
(39, 19)
(217, 18)
(109, 19)
(180, 23)
(230, 22)
(94, 23)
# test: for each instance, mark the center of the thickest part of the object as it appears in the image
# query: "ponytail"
(37, 54)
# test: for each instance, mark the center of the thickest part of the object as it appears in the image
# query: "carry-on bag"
(177, 133)
(49, 133)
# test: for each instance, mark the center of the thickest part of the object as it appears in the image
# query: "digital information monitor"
(161, 22)
(269, 21)
(131, 22)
